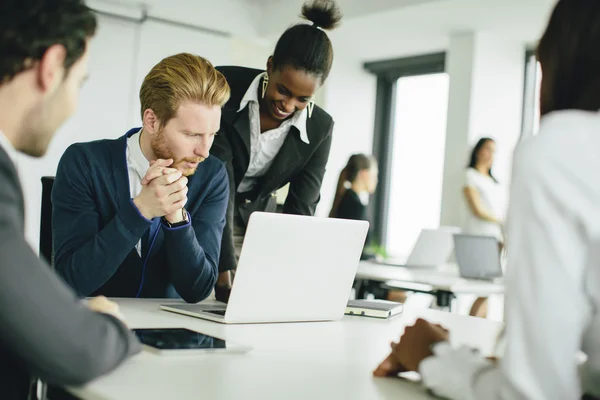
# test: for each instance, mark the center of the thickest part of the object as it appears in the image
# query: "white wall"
(486, 98)
(459, 65)
(498, 96)
(158, 40)
(239, 18)
(250, 53)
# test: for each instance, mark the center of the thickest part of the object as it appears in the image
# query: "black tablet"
(182, 340)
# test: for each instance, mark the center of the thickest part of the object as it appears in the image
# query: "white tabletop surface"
(323, 360)
(444, 278)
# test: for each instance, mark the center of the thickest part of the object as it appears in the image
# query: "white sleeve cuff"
(449, 372)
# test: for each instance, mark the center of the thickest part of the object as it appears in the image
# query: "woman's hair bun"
(323, 13)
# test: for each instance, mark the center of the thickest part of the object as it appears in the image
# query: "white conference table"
(443, 282)
(319, 360)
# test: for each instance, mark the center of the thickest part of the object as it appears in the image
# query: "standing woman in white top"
(553, 244)
(482, 192)
(484, 204)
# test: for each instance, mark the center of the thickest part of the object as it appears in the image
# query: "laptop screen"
(477, 256)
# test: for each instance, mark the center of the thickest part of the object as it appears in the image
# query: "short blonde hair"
(179, 78)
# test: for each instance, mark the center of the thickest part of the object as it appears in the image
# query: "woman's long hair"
(475, 155)
(356, 163)
(568, 54)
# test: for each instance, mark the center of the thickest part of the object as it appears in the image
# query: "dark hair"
(475, 155)
(29, 27)
(568, 53)
(356, 163)
(307, 47)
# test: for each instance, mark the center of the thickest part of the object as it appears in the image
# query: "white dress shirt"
(553, 276)
(265, 146)
(137, 166)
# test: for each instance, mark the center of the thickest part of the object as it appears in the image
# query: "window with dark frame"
(388, 73)
(531, 95)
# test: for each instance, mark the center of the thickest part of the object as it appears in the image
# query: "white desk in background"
(443, 283)
(292, 361)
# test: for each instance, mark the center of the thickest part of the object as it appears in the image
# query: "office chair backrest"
(46, 220)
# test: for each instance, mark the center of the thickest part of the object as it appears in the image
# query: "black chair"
(46, 220)
(46, 252)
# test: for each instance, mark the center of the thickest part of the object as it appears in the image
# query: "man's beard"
(161, 150)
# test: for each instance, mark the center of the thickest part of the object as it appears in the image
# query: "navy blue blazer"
(96, 227)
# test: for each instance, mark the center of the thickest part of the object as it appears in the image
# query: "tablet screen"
(177, 339)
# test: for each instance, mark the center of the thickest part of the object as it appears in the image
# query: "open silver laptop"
(291, 268)
(432, 248)
(478, 257)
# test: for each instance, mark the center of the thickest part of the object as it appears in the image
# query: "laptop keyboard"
(217, 312)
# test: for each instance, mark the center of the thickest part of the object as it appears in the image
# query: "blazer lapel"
(6, 161)
(241, 124)
(119, 170)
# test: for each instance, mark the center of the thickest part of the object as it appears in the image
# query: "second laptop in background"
(432, 249)
(478, 257)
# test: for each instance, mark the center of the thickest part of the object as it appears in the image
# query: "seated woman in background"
(357, 181)
(484, 203)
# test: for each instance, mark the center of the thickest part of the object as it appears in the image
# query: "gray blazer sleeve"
(42, 322)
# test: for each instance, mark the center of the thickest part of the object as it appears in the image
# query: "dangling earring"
(311, 106)
(265, 83)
